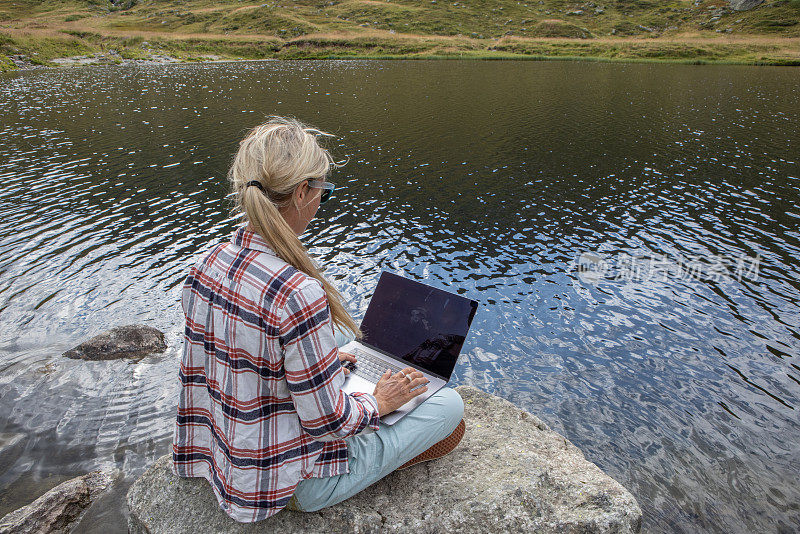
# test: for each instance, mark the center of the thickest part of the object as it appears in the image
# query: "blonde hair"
(280, 154)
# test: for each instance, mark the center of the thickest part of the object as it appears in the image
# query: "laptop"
(409, 324)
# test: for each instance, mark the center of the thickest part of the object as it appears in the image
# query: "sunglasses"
(327, 189)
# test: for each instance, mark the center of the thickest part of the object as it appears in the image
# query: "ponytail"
(280, 154)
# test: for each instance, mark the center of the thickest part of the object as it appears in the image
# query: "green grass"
(754, 54)
(185, 48)
(548, 28)
(476, 18)
(40, 50)
(615, 30)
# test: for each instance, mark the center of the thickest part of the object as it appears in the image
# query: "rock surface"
(57, 510)
(113, 58)
(21, 61)
(511, 473)
(744, 5)
(130, 341)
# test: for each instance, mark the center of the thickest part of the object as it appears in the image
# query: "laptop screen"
(418, 323)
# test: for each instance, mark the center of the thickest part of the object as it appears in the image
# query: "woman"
(261, 413)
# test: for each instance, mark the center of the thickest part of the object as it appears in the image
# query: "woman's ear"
(299, 194)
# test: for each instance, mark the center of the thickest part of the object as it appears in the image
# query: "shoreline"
(24, 64)
(25, 50)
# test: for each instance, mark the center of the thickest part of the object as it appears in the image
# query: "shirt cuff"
(370, 402)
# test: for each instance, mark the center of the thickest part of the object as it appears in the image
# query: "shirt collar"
(251, 240)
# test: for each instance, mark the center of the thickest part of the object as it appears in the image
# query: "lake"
(632, 232)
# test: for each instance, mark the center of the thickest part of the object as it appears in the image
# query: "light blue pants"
(372, 456)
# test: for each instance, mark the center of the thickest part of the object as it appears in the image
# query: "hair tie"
(257, 184)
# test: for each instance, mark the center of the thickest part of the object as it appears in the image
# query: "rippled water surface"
(631, 231)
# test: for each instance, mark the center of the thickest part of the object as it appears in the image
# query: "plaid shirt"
(261, 406)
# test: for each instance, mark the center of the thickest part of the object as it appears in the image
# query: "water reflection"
(488, 178)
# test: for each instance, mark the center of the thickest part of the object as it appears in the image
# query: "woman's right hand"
(394, 390)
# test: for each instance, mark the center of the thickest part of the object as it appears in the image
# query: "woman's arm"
(313, 371)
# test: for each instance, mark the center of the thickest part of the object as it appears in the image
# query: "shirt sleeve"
(313, 372)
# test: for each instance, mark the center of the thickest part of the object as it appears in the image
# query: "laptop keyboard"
(369, 367)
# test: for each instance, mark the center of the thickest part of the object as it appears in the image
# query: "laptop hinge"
(407, 364)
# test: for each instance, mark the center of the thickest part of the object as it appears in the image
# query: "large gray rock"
(130, 341)
(744, 5)
(511, 473)
(57, 510)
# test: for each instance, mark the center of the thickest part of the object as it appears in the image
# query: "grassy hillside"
(695, 31)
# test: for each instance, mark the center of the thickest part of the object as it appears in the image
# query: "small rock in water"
(57, 510)
(130, 341)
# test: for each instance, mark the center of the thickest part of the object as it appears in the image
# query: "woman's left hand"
(346, 357)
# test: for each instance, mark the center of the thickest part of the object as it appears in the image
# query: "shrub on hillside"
(558, 28)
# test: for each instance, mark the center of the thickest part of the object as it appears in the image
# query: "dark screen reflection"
(421, 324)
